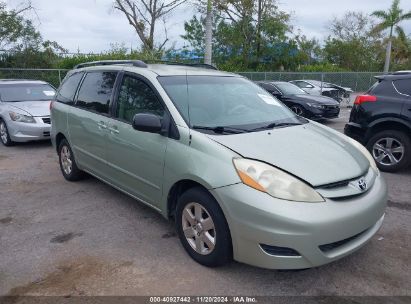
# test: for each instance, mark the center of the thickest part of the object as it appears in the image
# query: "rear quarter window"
(403, 86)
(68, 88)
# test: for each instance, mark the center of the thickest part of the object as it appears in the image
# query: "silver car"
(24, 110)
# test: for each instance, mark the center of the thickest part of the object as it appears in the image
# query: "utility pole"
(209, 33)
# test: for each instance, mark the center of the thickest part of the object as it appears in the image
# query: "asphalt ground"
(86, 238)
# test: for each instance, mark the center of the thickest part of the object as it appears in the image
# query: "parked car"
(300, 102)
(315, 87)
(24, 110)
(242, 175)
(381, 120)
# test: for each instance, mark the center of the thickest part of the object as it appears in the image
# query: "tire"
(300, 111)
(4, 134)
(67, 162)
(215, 232)
(391, 150)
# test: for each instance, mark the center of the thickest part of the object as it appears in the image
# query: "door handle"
(113, 130)
(102, 125)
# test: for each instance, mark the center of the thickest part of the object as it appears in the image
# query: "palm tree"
(390, 20)
(208, 33)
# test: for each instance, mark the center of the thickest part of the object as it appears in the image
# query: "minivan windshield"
(26, 92)
(226, 103)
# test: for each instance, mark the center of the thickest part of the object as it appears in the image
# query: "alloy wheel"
(198, 228)
(3, 132)
(388, 151)
(66, 161)
(297, 110)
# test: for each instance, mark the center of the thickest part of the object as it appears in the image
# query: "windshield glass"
(26, 92)
(289, 89)
(212, 101)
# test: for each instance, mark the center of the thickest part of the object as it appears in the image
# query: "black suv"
(381, 120)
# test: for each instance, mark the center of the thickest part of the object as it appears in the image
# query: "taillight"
(364, 98)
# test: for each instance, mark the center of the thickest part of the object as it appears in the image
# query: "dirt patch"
(62, 238)
(401, 206)
(169, 235)
(70, 278)
(6, 220)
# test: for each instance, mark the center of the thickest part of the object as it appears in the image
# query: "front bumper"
(23, 132)
(256, 219)
(324, 113)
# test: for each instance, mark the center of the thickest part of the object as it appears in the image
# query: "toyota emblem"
(362, 184)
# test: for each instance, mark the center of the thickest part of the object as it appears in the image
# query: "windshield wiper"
(220, 129)
(276, 125)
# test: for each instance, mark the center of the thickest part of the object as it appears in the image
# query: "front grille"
(46, 120)
(279, 251)
(46, 134)
(331, 246)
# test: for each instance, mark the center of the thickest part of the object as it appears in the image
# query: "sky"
(92, 25)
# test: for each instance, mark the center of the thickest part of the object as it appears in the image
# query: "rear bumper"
(319, 232)
(356, 132)
(23, 132)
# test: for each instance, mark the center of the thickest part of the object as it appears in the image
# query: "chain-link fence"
(357, 81)
(52, 76)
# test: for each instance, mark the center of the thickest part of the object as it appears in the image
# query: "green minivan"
(242, 176)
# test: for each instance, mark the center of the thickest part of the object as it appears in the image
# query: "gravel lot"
(86, 238)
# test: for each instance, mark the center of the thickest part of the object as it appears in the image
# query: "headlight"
(367, 154)
(316, 105)
(21, 118)
(274, 182)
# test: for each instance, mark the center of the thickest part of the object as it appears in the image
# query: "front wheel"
(4, 134)
(298, 110)
(203, 229)
(391, 150)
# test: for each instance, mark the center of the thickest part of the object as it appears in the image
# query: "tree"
(353, 44)
(390, 20)
(15, 30)
(143, 16)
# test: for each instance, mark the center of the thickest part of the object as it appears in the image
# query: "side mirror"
(147, 122)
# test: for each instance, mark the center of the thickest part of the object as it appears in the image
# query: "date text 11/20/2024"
(203, 299)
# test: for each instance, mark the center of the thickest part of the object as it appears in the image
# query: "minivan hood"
(310, 151)
(34, 108)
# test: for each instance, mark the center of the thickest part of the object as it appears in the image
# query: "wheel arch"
(176, 190)
(383, 125)
(59, 137)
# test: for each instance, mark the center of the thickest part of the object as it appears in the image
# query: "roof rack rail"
(198, 65)
(136, 63)
(405, 72)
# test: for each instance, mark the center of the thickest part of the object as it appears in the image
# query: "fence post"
(322, 81)
(265, 75)
(59, 76)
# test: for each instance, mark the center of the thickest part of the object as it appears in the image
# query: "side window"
(68, 89)
(96, 90)
(403, 86)
(300, 84)
(135, 96)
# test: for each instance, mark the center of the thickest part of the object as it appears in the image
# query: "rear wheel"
(202, 228)
(67, 162)
(4, 134)
(391, 150)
